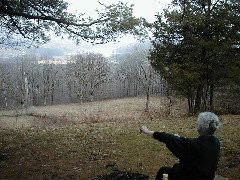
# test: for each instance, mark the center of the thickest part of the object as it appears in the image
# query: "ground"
(90, 140)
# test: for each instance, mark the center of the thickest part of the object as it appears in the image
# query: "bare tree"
(49, 80)
(98, 73)
(90, 70)
(33, 80)
(3, 93)
(16, 84)
(138, 68)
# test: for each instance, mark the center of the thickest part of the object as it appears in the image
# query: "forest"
(193, 52)
(35, 81)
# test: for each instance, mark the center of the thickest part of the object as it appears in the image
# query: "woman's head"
(207, 123)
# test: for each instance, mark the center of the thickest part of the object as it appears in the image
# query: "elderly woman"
(198, 157)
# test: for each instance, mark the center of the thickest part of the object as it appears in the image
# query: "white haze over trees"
(63, 70)
(33, 81)
(195, 50)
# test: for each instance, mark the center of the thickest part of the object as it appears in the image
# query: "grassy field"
(85, 141)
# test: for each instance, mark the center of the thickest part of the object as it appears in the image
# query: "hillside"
(116, 110)
(92, 139)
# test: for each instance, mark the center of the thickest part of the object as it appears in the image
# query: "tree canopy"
(24, 22)
(196, 48)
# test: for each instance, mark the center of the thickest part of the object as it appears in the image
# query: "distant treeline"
(34, 81)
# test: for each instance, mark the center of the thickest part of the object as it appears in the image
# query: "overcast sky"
(146, 9)
(143, 8)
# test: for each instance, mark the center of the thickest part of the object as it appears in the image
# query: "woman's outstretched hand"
(145, 130)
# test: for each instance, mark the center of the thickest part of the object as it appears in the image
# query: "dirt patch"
(122, 175)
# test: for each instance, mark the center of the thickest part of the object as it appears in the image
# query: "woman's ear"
(212, 127)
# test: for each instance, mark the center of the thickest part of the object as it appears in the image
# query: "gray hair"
(208, 123)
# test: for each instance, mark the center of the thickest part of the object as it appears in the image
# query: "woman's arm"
(145, 130)
(177, 145)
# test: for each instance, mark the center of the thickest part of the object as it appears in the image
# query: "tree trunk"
(147, 103)
(5, 96)
(198, 100)
(52, 93)
(190, 102)
(26, 91)
(80, 94)
(190, 107)
(211, 97)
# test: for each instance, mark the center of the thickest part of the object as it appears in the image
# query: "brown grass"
(117, 110)
(72, 147)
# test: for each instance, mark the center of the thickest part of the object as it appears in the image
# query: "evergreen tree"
(196, 48)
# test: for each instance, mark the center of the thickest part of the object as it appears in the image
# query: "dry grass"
(111, 110)
(102, 111)
(85, 150)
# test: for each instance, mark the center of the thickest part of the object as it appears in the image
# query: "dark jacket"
(198, 157)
